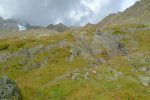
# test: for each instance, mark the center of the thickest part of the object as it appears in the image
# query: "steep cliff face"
(139, 13)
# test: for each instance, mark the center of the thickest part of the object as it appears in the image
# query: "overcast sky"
(69, 12)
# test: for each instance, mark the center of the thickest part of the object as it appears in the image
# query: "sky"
(69, 12)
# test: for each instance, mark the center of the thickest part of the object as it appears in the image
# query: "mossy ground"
(34, 82)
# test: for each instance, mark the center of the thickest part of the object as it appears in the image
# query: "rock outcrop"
(9, 89)
(83, 47)
(90, 48)
(110, 43)
(59, 27)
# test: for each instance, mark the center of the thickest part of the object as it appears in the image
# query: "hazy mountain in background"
(14, 25)
(8, 24)
(58, 27)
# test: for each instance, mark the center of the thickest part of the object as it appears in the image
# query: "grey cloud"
(69, 12)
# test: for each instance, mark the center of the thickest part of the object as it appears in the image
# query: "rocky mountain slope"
(89, 63)
(137, 14)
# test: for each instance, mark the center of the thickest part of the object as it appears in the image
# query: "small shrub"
(118, 32)
(3, 47)
(20, 45)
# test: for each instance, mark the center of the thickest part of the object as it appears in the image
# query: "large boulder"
(9, 89)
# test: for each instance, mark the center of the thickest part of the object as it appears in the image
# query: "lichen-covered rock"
(110, 42)
(145, 80)
(86, 75)
(9, 89)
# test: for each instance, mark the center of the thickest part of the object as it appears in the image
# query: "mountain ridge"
(136, 14)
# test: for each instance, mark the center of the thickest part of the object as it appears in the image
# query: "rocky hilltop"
(58, 27)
